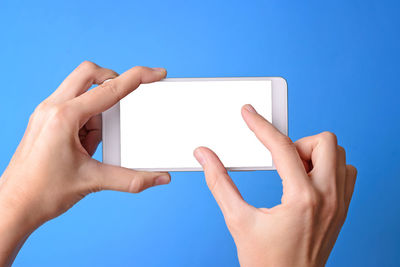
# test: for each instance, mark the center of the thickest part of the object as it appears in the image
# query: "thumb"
(220, 184)
(109, 177)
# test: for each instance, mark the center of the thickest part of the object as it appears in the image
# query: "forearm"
(15, 227)
(10, 247)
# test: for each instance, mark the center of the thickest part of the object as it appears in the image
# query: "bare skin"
(52, 168)
(317, 189)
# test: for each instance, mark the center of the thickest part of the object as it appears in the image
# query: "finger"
(351, 176)
(109, 177)
(220, 184)
(92, 141)
(284, 154)
(341, 173)
(108, 94)
(321, 151)
(307, 165)
(80, 80)
(90, 134)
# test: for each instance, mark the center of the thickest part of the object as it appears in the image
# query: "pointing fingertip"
(250, 108)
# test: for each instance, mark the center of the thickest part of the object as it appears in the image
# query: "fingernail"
(250, 108)
(159, 69)
(199, 156)
(162, 179)
(106, 81)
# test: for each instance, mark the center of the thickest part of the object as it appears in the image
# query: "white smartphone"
(157, 126)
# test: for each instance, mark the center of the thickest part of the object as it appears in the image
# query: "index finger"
(283, 151)
(108, 94)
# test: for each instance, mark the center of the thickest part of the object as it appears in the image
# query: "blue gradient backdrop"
(340, 58)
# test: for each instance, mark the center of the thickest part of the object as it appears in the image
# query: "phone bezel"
(111, 122)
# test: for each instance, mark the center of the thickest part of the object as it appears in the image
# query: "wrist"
(255, 256)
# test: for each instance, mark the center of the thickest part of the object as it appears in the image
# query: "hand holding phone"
(52, 168)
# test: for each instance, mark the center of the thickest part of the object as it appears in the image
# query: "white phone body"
(157, 126)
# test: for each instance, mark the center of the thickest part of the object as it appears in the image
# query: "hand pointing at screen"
(317, 189)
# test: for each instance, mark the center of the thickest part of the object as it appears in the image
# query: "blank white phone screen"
(163, 122)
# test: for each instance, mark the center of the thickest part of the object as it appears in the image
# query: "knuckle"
(42, 106)
(329, 137)
(39, 108)
(58, 114)
(285, 141)
(334, 207)
(341, 150)
(40, 111)
(136, 185)
(353, 170)
(57, 111)
(139, 69)
(309, 200)
(88, 66)
(139, 72)
(331, 206)
(330, 193)
(330, 197)
(110, 87)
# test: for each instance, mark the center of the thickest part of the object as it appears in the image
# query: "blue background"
(341, 61)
